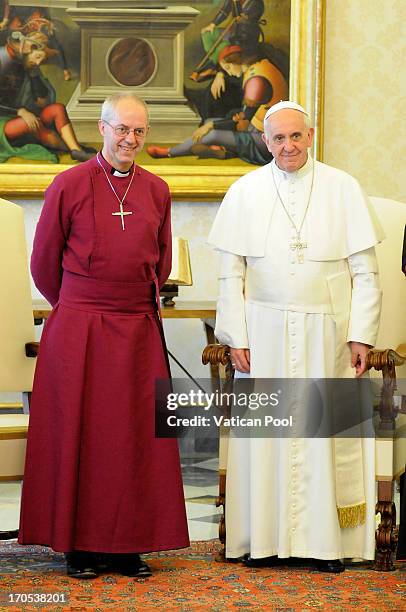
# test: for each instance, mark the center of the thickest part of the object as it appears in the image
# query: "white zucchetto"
(282, 105)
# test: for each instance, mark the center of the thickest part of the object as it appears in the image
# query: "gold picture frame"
(201, 182)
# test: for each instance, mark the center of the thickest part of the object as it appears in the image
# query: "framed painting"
(193, 62)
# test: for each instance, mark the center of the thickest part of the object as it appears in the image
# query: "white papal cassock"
(296, 318)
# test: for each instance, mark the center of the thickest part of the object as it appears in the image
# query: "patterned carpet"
(192, 580)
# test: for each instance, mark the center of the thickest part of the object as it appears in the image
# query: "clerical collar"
(114, 171)
(118, 173)
(298, 174)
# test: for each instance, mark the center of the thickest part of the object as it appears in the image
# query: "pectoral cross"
(122, 214)
(299, 246)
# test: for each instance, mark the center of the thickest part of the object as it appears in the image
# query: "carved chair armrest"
(216, 354)
(219, 354)
(386, 359)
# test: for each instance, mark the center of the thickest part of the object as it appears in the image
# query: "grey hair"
(111, 102)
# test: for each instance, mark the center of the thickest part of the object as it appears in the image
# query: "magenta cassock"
(96, 478)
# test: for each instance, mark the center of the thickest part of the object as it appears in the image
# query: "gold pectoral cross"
(299, 247)
(122, 214)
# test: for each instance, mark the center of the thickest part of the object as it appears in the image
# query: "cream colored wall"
(365, 93)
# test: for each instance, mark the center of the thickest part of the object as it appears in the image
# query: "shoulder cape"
(341, 220)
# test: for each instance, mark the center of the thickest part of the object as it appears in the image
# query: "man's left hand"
(358, 357)
(202, 131)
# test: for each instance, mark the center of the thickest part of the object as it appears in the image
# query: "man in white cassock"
(299, 298)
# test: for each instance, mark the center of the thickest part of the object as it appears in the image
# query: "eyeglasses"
(123, 130)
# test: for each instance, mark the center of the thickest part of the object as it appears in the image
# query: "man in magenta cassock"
(96, 479)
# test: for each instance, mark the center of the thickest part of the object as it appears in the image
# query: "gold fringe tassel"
(352, 516)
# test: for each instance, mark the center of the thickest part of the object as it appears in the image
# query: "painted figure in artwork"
(32, 124)
(28, 20)
(245, 26)
(238, 135)
(236, 23)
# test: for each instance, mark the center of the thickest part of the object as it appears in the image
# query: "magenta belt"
(95, 295)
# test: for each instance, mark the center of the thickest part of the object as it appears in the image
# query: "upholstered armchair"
(16, 341)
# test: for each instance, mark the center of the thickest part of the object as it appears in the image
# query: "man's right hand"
(218, 86)
(30, 119)
(240, 359)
